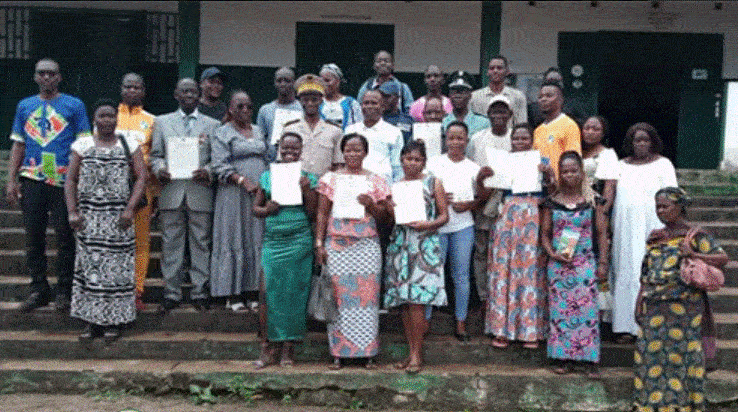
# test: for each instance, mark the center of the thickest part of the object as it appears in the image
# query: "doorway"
(670, 80)
(349, 45)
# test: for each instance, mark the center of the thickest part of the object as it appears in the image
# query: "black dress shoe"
(89, 333)
(62, 303)
(35, 300)
(201, 305)
(167, 305)
(111, 334)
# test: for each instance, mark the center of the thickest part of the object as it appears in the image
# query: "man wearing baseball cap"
(391, 113)
(211, 87)
(321, 140)
(496, 136)
(460, 91)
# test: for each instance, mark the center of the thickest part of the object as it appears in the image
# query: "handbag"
(695, 272)
(322, 305)
(143, 201)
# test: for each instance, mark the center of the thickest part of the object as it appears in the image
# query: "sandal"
(625, 339)
(336, 365)
(563, 369)
(370, 364)
(287, 354)
(499, 342)
(403, 364)
(414, 369)
(111, 334)
(267, 356)
(530, 345)
(593, 372)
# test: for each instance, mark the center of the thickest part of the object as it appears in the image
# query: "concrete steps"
(449, 387)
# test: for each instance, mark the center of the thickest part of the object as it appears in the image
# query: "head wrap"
(674, 194)
(333, 68)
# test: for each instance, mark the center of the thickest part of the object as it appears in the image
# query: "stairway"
(164, 353)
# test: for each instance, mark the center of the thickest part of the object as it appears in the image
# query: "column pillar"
(189, 38)
(490, 35)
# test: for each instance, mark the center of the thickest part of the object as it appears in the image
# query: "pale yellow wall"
(262, 33)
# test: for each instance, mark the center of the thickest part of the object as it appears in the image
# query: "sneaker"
(238, 306)
(62, 303)
(167, 305)
(35, 300)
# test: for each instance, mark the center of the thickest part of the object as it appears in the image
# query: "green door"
(351, 46)
(630, 77)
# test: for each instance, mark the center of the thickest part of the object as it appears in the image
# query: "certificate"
(430, 134)
(345, 202)
(282, 116)
(183, 156)
(286, 183)
(462, 189)
(527, 178)
(499, 161)
(409, 202)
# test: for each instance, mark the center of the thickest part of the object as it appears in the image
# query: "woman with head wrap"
(669, 358)
(337, 108)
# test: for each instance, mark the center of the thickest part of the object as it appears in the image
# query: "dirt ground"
(111, 402)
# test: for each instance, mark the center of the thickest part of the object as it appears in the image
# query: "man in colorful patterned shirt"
(45, 127)
(134, 121)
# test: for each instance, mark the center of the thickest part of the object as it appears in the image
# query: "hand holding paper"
(430, 134)
(183, 156)
(345, 196)
(286, 183)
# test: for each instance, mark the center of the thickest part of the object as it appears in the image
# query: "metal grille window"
(14, 33)
(162, 35)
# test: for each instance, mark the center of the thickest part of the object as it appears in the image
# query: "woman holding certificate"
(461, 178)
(352, 201)
(414, 265)
(569, 223)
(287, 252)
(239, 158)
(517, 286)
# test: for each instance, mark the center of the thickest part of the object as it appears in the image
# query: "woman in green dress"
(287, 259)
(669, 361)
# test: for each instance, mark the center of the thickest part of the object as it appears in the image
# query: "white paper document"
(409, 202)
(345, 202)
(526, 177)
(499, 161)
(183, 156)
(286, 183)
(430, 133)
(282, 116)
(461, 189)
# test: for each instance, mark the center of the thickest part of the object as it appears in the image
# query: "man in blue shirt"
(384, 66)
(390, 92)
(44, 128)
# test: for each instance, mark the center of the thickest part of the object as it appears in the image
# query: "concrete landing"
(452, 387)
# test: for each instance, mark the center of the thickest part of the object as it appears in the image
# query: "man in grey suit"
(185, 205)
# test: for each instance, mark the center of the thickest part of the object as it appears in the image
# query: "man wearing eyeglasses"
(44, 128)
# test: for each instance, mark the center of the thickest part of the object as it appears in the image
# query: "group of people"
(600, 241)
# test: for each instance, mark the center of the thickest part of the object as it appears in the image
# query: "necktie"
(189, 121)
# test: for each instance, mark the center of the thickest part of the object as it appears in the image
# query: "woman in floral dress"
(574, 330)
(350, 249)
(414, 265)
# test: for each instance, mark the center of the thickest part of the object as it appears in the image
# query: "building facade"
(666, 62)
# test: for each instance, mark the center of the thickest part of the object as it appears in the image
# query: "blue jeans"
(457, 247)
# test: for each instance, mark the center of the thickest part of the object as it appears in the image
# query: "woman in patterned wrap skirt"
(669, 360)
(101, 207)
(350, 249)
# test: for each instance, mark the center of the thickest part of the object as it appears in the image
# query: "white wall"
(730, 138)
(262, 33)
(530, 33)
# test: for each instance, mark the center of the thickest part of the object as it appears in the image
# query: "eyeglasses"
(47, 72)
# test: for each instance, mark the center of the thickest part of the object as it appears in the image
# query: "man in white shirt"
(497, 136)
(385, 140)
(497, 72)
